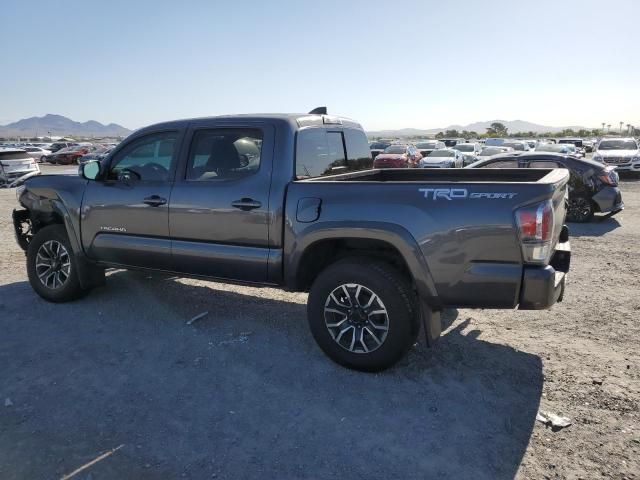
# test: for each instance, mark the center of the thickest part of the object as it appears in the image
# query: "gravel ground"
(245, 393)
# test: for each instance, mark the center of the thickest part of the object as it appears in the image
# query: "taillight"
(609, 177)
(535, 227)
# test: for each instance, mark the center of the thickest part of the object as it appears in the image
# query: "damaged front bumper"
(22, 227)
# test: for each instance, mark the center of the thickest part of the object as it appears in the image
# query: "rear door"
(125, 216)
(219, 209)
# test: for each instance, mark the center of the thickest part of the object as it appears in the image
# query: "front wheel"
(363, 314)
(51, 265)
(580, 210)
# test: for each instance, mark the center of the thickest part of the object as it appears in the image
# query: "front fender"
(298, 242)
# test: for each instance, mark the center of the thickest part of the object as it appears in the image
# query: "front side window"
(220, 154)
(148, 159)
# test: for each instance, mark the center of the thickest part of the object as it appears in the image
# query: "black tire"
(70, 288)
(396, 298)
(580, 209)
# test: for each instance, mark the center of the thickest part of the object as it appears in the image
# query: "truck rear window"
(322, 152)
(14, 156)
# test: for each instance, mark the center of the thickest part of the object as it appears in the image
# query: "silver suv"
(623, 153)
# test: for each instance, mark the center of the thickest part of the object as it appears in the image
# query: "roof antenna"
(318, 111)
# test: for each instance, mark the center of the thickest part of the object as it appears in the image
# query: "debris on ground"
(242, 338)
(556, 422)
(598, 381)
(8, 402)
(197, 317)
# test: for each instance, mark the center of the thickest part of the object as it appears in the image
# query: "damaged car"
(593, 187)
(16, 165)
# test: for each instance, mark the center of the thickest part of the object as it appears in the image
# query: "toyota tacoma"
(291, 200)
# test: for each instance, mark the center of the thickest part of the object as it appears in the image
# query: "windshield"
(426, 145)
(378, 146)
(395, 149)
(577, 143)
(618, 145)
(464, 148)
(515, 146)
(551, 147)
(491, 151)
(14, 156)
(442, 153)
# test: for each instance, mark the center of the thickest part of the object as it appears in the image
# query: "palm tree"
(628, 128)
(603, 124)
(609, 127)
(621, 123)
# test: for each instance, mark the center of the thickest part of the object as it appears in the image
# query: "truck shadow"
(597, 227)
(244, 392)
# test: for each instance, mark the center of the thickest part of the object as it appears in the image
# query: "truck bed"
(463, 175)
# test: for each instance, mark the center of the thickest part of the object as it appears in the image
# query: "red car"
(398, 156)
(69, 155)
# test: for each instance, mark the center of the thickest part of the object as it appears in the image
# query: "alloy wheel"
(356, 318)
(53, 264)
(579, 208)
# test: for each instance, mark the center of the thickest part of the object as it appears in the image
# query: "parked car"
(469, 151)
(37, 153)
(489, 151)
(566, 148)
(623, 153)
(16, 166)
(588, 146)
(68, 156)
(398, 156)
(60, 145)
(427, 147)
(443, 158)
(379, 251)
(517, 145)
(377, 148)
(452, 142)
(577, 142)
(593, 187)
(97, 154)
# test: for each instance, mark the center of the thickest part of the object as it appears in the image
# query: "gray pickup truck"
(291, 200)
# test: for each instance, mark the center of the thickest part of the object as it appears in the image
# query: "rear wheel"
(580, 210)
(363, 314)
(51, 265)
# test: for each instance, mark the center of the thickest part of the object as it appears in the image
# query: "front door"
(219, 210)
(125, 215)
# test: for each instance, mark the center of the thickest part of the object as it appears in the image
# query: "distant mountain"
(60, 126)
(478, 127)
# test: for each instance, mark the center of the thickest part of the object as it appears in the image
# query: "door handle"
(246, 204)
(155, 200)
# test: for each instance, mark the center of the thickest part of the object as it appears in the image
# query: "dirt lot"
(245, 392)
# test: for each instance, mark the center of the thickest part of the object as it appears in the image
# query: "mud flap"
(431, 322)
(89, 275)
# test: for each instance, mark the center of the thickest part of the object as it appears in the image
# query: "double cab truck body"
(291, 200)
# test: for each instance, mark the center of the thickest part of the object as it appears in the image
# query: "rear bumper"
(609, 199)
(544, 286)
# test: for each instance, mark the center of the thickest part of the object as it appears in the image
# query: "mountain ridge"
(53, 124)
(478, 127)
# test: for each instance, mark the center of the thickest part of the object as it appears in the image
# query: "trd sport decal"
(462, 194)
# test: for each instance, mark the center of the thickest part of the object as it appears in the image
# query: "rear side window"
(224, 153)
(502, 164)
(358, 152)
(322, 152)
(319, 152)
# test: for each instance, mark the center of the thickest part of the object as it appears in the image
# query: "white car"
(623, 153)
(16, 166)
(443, 158)
(37, 153)
(470, 152)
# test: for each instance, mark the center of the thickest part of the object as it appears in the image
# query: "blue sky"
(388, 64)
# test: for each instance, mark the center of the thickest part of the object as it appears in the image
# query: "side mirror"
(90, 170)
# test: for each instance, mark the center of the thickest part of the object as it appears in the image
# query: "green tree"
(497, 129)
